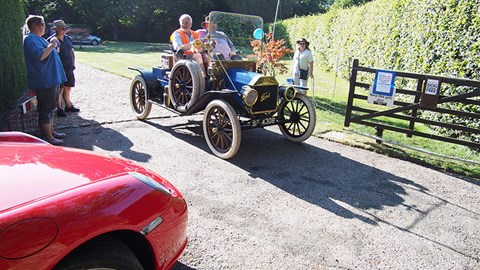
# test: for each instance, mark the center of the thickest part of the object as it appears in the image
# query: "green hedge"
(12, 68)
(439, 37)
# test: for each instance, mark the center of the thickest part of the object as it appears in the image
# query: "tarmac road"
(280, 205)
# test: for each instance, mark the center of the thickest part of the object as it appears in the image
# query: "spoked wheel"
(187, 84)
(300, 118)
(139, 99)
(221, 129)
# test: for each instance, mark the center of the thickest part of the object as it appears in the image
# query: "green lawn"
(331, 94)
(116, 57)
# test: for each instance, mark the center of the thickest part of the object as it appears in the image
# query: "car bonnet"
(29, 171)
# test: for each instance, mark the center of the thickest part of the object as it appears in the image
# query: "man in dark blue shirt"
(67, 55)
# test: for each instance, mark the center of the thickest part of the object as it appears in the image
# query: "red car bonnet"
(33, 170)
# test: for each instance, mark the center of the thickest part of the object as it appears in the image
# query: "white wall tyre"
(300, 118)
(221, 128)
(186, 85)
(139, 99)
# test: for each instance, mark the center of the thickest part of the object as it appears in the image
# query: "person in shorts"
(67, 55)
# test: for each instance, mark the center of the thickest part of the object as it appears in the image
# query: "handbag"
(303, 74)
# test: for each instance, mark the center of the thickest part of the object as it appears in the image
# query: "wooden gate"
(411, 105)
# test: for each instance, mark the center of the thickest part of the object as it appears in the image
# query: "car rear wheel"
(101, 254)
(300, 118)
(139, 99)
(186, 85)
(221, 129)
(94, 42)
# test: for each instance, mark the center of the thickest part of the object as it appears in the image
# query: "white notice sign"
(382, 92)
(431, 87)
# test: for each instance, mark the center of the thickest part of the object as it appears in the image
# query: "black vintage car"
(234, 95)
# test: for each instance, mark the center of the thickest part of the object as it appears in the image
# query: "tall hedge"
(440, 37)
(12, 64)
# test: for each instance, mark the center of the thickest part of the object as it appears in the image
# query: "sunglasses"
(301, 43)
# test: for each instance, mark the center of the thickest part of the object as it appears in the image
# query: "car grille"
(267, 99)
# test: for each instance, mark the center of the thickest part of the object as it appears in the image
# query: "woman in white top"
(302, 63)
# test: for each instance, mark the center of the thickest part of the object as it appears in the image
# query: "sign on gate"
(382, 92)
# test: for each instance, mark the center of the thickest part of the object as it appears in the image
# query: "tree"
(12, 68)
(270, 55)
(109, 15)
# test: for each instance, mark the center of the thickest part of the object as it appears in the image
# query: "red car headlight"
(150, 182)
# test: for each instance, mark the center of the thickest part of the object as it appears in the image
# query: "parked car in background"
(65, 208)
(86, 39)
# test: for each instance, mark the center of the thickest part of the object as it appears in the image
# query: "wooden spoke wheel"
(221, 128)
(139, 98)
(300, 118)
(186, 85)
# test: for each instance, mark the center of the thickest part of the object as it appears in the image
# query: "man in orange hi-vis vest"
(183, 37)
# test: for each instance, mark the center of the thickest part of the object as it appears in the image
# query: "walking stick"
(313, 92)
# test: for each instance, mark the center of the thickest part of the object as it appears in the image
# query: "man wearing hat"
(223, 45)
(67, 55)
(302, 67)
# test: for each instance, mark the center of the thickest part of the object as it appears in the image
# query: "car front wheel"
(299, 118)
(94, 42)
(101, 254)
(221, 129)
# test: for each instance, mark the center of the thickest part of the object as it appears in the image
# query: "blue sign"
(384, 83)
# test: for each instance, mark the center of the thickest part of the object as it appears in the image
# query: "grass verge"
(331, 93)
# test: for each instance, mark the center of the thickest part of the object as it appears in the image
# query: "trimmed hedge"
(13, 82)
(439, 37)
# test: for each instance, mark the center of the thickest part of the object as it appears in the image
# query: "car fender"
(230, 96)
(154, 87)
(120, 201)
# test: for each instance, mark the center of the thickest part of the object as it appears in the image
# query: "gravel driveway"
(279, 205)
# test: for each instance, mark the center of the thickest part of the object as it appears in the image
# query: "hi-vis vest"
(184, 38)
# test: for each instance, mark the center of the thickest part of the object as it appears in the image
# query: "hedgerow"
(12, 63)
(440, 37)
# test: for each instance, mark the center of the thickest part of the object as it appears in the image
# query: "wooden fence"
(412, 106)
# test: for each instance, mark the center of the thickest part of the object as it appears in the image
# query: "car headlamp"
(289, 93)
(250, 95)
(150, 182)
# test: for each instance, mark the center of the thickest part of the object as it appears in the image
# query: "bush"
(430, 37)
(13, 81)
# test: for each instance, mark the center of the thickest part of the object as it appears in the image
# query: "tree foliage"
(270, 54)
(154, 20)
(12, 67)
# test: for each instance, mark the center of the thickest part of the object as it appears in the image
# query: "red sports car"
(65, 208)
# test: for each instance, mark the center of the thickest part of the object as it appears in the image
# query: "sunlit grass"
(116, 57)
(331, 93)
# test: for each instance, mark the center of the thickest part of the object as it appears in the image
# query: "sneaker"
(59, 135)
(55, 141)
(72, 109)
(61, 113)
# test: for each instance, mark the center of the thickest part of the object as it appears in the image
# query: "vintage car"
(234, 95)
(65, 208)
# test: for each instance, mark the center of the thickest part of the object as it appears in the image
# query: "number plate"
(264, 121)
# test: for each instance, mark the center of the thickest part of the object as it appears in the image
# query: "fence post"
(411, 126)
(353, 80)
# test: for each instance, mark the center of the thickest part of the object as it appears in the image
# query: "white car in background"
(89, 40)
